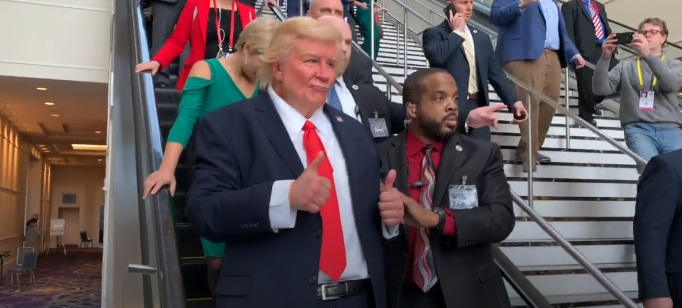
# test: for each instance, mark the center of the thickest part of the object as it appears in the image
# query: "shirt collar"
(293, 120)
(416, 146)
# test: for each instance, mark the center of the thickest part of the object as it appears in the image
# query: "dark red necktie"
(333, 254)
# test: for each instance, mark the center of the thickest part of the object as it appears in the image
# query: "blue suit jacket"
(658, 228)
(241, 150)
(443, 49)
(522, 32)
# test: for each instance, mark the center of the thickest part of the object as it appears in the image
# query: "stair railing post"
(530, 160)
(372, 55)
(568, 109)
(405, 41)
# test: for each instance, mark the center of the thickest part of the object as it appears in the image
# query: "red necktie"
(333, 254)
(598, 30)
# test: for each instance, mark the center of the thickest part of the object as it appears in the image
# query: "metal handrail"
(157, 207)
(570, 249)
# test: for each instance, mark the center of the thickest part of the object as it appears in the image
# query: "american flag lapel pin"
(339, 119)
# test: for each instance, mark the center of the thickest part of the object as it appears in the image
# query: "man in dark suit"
(587, 26)
(469, 57)
(359, 69)
(457, 202)
(367, 104)
(292, 187)
(657, 232)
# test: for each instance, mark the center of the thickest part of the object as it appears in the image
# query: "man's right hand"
(609, 46)
(310, 191)
(151, 66)
(457, 22)
(663, 302)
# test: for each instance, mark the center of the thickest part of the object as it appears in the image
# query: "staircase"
(587, 193)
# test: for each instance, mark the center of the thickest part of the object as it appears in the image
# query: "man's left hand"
(417, 215)
(391, 206)
(520, 112)
(641, 45)
(484, 116)
(579, 61)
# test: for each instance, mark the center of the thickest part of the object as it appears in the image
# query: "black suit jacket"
(241, 150)
(359, 70)
(580, 28)
(658, 228)
(465, 267)
(372, 103)
(444, 49)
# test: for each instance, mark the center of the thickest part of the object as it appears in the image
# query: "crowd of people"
(312, 189)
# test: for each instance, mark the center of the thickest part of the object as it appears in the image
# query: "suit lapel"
(445, 26)
(449, 162)
(277, 134)
(582, 7)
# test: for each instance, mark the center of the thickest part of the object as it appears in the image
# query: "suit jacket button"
(312, 279)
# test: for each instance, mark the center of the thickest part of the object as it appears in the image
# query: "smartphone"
(449, 8)
(624, 38)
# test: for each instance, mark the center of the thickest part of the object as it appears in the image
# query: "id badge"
(646, 100)
(378, 127)
(463, 197)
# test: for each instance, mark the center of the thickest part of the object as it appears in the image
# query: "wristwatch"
(441, 218)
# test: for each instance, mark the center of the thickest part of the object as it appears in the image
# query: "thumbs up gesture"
(310, 191)
(391, 207)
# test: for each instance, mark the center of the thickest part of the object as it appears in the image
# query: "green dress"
(365, 19)
(199, 98)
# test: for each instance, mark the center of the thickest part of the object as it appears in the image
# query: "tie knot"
(308, 126)
(428, 149)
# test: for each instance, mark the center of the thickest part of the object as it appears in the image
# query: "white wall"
(15, 154)
(56, 39)
(86, 183)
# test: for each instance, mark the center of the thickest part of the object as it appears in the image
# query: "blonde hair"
(257, 34)
(290, 31)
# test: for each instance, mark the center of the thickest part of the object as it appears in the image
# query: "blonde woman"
(212, 84)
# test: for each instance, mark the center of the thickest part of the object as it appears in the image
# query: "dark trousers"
(165, 16)
(587, 100)
(413, 297)
(465, 107)
(362, 300)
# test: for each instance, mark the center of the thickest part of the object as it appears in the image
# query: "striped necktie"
(424, 267)
(333, 98)
(598, 29)
(469, 52)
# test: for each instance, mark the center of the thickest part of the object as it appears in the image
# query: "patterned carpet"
(71, 281)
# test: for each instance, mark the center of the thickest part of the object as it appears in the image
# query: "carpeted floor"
(71, 281)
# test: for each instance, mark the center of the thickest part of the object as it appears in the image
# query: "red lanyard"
(217, 25)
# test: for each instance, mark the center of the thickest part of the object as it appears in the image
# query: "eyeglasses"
(647, 32)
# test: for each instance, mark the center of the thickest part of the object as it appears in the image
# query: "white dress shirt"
(347, 101)
(281, 214)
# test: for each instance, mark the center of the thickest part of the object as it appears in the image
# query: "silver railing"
(528, 207)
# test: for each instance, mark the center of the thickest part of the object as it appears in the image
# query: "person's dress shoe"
(543, 159)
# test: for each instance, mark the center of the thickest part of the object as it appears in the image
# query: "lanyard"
(218, 14)
(639, 74)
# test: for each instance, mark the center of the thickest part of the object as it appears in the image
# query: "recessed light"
(41, 89)
(98, 132)
(55, 115)
(47, 151)
(99, 159)
(41, 145)
(49, 103)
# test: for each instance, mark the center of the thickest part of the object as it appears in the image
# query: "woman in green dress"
(365, 19)
(212, 84)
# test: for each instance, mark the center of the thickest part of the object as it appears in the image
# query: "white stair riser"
(572, 208)
(529, 231)
(543, 257)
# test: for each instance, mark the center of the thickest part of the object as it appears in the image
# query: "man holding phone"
(587, 26)
(648, 86)
(468, 55)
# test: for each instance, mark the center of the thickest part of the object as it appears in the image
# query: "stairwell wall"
(56, 39)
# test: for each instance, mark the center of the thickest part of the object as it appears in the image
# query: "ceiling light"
(41, 145)
(47, 151)
(49, 103)
(89, 147)
(54, 115)
(98, 132)
(41, 89)
(99, 159)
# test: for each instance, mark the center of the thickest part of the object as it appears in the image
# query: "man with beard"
(457, 204)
